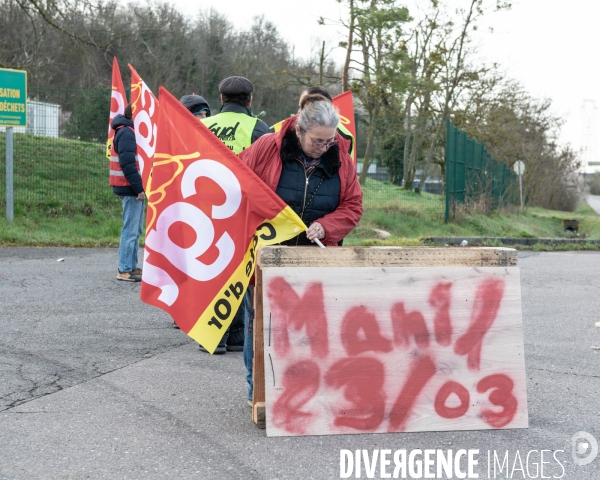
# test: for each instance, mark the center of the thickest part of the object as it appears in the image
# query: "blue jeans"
(133, 213)
(249, 337)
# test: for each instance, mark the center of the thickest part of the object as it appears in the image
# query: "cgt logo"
(584, 448)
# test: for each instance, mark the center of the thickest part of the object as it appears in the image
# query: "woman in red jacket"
(307, 164)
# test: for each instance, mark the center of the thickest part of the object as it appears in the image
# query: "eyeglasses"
(322, 144)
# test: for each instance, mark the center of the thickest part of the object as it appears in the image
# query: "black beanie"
(195, 103)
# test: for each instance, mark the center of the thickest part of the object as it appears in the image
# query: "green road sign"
(13, 98)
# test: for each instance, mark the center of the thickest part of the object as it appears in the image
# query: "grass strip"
(62, 198)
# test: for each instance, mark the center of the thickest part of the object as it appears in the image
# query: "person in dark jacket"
(307, 164)
(196, 105)
(127, 184)
(341, 128)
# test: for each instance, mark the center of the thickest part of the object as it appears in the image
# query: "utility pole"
(591, 160)
(10, 212)
(321, 62)
(13, 90)
(519, 168)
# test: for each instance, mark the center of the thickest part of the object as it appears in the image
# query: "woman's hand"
(141, 196)
(315, 230)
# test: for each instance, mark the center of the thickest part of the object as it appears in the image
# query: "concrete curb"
(482, 241)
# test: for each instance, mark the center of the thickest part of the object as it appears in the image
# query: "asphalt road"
(594, 202)
(95, 384)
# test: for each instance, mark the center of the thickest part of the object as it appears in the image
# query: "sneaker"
(235, 348)
(137, 271)
(250, 402)
(128, 277)
(219, 351)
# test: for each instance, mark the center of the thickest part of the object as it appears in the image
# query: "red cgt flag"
(118, 101)
(144, 109)
(345, 105)
(207, 215)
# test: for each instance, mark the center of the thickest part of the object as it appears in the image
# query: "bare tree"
(376, 58)
(72, 18)
(514, 126)
(348, 46)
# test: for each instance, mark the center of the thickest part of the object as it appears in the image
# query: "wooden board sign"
(391, 348)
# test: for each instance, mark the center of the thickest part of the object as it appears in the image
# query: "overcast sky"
(550, 46)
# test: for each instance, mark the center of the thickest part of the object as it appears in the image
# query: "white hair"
(317, 112)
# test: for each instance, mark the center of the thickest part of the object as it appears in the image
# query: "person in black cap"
(237, 128)
(196, 105)
(200, 109)
(234, 124)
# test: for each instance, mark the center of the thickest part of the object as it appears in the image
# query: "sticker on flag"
(208, 213)
(144, 109)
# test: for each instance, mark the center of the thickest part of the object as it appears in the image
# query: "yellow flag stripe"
(277, 126)
(214, 322)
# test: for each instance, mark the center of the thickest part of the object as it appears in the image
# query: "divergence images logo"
(584, 448)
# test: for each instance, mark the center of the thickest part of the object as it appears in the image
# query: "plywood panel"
(390, 349)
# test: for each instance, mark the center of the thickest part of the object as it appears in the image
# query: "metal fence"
(473, 175)
(60, 163)
(59, 157)
(50, 171)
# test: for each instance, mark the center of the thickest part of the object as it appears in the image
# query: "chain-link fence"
(59, 158)
(56, 171)
(59, 161)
